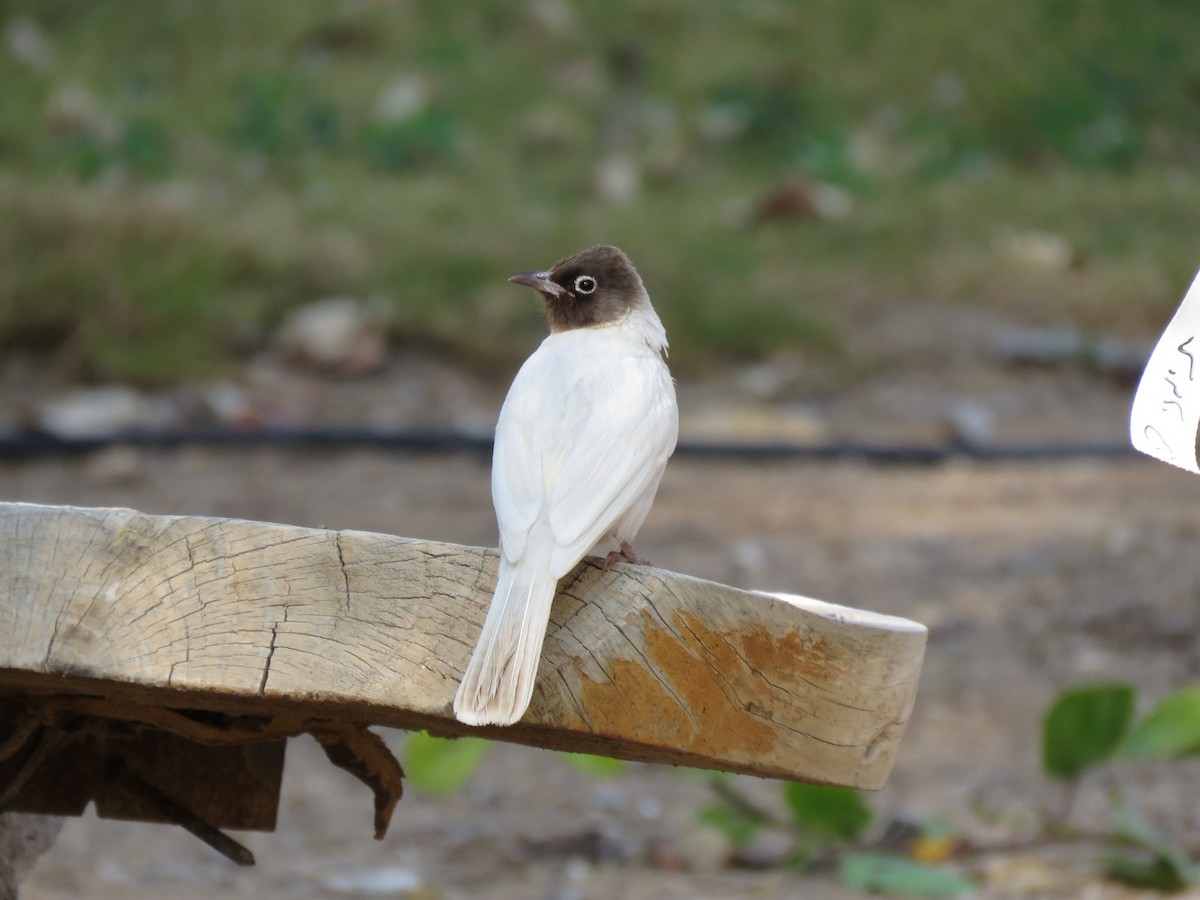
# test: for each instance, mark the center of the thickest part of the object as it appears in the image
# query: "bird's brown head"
(597, 286)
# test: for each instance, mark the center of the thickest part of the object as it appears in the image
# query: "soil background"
(1031, 576)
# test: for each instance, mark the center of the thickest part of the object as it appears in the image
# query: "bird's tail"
(498, 684)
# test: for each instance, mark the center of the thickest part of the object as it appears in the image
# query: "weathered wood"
(63, 764)
(251, 618)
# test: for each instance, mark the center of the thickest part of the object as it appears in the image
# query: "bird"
(582, 441)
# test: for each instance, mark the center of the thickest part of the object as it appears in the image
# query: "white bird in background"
(581, 444)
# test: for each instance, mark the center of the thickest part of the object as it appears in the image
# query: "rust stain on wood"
(633, 691)
(703, 679)
(792, 658)
(714, 679)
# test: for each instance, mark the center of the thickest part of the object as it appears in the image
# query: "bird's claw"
(626, 553)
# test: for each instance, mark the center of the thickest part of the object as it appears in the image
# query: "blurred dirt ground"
(1031, 577)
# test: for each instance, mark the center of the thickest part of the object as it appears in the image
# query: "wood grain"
(253, 618)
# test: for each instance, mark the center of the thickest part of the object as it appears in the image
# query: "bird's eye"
(585, 284)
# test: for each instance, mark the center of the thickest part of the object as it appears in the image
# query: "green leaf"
(828, 811)
(440, 766)
(596, 766)
(893, 874)
(1171, 729)
(1169, 868)
(1084, 727)
(1154, 873)
(740, 827)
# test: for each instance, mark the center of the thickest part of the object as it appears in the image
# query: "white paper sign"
(1166, 407)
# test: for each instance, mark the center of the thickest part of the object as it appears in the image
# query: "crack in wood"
(710, 659)
(262, 685)
(53, 637)
(575, 702)
(653, 668)
(337, 542)
(187, 658)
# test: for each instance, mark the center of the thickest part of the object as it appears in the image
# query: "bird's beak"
(539, 281)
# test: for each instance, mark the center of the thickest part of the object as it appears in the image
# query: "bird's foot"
(626, 553)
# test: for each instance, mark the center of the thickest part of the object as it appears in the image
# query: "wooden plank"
(252, 618)
(235, 786)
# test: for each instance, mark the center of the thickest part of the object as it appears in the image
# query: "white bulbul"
(582, 440)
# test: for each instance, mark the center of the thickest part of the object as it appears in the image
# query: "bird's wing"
(618, 454)
(578, 444)
(518, 492)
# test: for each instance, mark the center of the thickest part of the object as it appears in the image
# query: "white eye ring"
(585, 284)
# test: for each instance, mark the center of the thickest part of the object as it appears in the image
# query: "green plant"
(427, 137)
(1088, 726)
(833, 828)
(1171, 730)
(890, 873)
(1085, 728)
(436, 765)
(242, 133)
(829, 826)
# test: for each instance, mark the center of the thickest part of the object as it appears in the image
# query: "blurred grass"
(175, 176)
